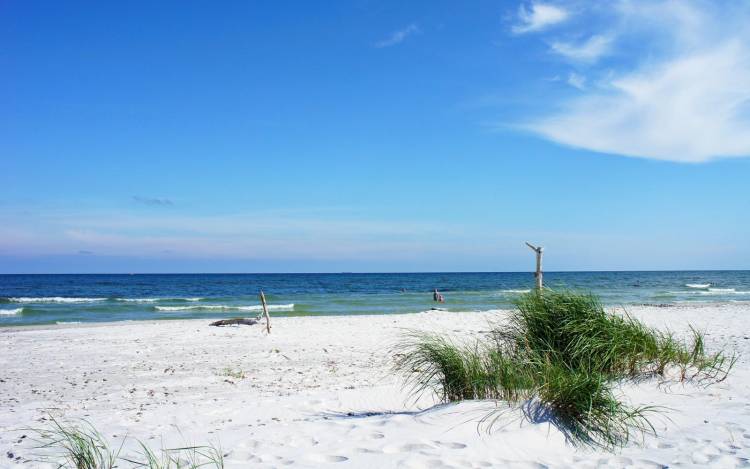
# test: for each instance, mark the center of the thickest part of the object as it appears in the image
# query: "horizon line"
(379, 272)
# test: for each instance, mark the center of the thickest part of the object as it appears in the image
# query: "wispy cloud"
(576, 81)
(688, 100)
(587, 51)
(397, 37)
(537, 16)
(152, 200)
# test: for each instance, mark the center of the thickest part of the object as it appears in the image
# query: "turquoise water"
(45, 299)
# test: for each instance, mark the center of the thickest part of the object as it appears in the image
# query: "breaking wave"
(54, 299)
(10, 312)
(289, 307)
(154, 300)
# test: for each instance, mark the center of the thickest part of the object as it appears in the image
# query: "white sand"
(318, 392)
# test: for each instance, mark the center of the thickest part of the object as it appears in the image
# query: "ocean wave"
(697, 285)
(707, 292)
(724, 291)
(67, 322)
(516, 291)
(288, 307)
(154, 300)
(54, 299)
(10, 312)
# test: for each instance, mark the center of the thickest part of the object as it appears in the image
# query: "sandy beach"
(319, 392)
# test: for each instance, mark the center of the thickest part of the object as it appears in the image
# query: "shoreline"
(286, 315)
(207, 319)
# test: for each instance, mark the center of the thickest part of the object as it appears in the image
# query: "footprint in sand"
(327, 458)
(731, 461)
(648, 464)
(416, 447)
(521, 465)
(367, 450)
(703, 457)
(450, 444)
(408, 448)
(615, 462)
(301, 442)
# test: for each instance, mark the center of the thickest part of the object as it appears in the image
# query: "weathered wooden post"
(538, 250)
(265, 311)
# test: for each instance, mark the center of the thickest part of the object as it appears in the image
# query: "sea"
(70, 299)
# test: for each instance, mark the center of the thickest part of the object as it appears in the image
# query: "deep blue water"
(39, 299)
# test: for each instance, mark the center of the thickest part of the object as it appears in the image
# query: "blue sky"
(373, 136)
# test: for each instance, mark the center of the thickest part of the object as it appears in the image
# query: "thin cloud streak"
(397, 37)
(154, 201)
(576, 81)
(538, 16)
(588, 51)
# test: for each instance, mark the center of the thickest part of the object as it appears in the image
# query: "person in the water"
(436, 296)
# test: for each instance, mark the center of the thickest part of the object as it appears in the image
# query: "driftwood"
(249, 321)
(235, 321)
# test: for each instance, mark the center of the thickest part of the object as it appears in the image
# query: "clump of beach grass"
(189, 457)
(75, 446)
(81, 446)
(558, 357)
(232, 373)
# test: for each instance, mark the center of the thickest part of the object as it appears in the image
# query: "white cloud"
(687, 100)
(587, 51)
(399, 36)
(690, 109)
(576, 81)
(538, 16)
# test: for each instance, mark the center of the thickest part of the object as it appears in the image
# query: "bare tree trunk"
(265, 311)
(538, 250)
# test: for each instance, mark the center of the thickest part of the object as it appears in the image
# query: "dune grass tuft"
(558, 357)
(232, 373)
(81, 446)
(78, 447)
(189, 457)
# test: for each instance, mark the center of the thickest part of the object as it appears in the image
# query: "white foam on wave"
(710, 292)
(54, 299)
(67, 322)
(697, 285)
(516, 291)
(154, 300)
(10, 312)
(288, 307)
(722, 291)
